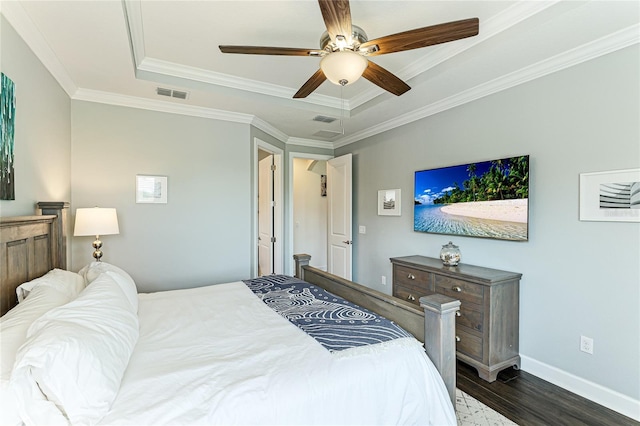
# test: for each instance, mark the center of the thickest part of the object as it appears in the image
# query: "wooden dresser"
(487, 325)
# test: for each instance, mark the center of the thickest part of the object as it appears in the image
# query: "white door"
(265, 216)
(339, 242)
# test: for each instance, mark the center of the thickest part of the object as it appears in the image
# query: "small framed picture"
(323, 185)
(389, 202)
(151, 189)
(610, 196)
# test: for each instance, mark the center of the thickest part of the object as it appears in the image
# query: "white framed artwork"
(151, 189)
(612, 196)
(389, 202)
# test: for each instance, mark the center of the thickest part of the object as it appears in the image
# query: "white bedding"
(219, 355)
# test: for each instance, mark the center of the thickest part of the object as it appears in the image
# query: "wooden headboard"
(30, 246)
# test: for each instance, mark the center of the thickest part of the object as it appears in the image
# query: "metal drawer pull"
(411, 277)
(411, 297)
(457, 338)
(456, 288)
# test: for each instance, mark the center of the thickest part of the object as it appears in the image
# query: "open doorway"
(308, 208)
(268, 252)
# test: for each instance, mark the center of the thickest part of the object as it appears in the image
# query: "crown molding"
(605, 45)
(160, 106)
(443, 52)
(310, 143)
(179, 71)
(173, 108)
(437, 54)
(269, 129)
(24, 26)
(133, 20)
(135, 31)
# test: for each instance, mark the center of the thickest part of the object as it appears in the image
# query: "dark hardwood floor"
(529, 400)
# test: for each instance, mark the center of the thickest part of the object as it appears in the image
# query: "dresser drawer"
(469, 344)
(463, 290)
(488, 324)
(471, 316)
(412, 278)
(409, 294)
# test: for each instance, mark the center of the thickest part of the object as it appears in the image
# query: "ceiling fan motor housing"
(358, 36)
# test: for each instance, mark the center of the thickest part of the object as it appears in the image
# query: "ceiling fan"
(344, 49)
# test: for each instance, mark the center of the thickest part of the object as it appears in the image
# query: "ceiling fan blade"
(261, 50)
(423, 37)
(312, 84)
(337, 18)
(383, 78)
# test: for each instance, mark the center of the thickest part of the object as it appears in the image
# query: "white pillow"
(72, 363)
(13, 333)
(91, 271)
(64, 281)
(94, 269)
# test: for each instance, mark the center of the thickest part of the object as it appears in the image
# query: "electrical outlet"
(586, 344)
(383, 280)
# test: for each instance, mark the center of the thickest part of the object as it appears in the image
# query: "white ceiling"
(120, 52)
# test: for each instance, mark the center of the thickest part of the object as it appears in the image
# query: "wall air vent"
(324, 119)
(171, 93)
(327, 134)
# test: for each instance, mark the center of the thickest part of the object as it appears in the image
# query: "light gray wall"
(579, 278)
(43, 128)
(202, 235)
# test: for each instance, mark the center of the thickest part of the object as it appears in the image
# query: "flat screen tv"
(487, 199)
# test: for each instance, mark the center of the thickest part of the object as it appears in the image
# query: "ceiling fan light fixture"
(343, 66)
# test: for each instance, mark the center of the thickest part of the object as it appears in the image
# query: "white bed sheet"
(219, 355)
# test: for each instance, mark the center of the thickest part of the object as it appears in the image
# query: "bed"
(223, 354)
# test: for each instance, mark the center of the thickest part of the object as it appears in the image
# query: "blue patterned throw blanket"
(334, 322)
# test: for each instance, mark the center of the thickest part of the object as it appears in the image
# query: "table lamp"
(96, 221)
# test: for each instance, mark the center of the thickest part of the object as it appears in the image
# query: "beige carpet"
(471, 412)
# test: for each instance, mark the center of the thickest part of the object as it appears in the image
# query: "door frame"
(278, 247)
(288, 264)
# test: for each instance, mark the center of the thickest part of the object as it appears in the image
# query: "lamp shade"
(342, 66)
(96, 221)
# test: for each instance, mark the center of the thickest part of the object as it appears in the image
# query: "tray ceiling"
(121, 52)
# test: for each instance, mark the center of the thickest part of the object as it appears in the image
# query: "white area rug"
(471, 412)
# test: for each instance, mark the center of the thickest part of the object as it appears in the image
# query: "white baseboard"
(611, 399)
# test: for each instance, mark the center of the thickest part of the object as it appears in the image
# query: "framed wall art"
(7, 126)
(151, 189)
(612, 196)
(389, 202)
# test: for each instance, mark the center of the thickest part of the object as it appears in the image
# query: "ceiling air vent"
(171, 93)
(324, 119)
(327, 134)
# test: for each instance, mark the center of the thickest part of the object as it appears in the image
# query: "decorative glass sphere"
(450, 254)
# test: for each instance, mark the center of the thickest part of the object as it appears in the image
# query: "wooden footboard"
(434, 324)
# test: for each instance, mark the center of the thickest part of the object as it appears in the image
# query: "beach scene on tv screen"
(485, 199)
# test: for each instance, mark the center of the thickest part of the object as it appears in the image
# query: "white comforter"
(219, 355)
